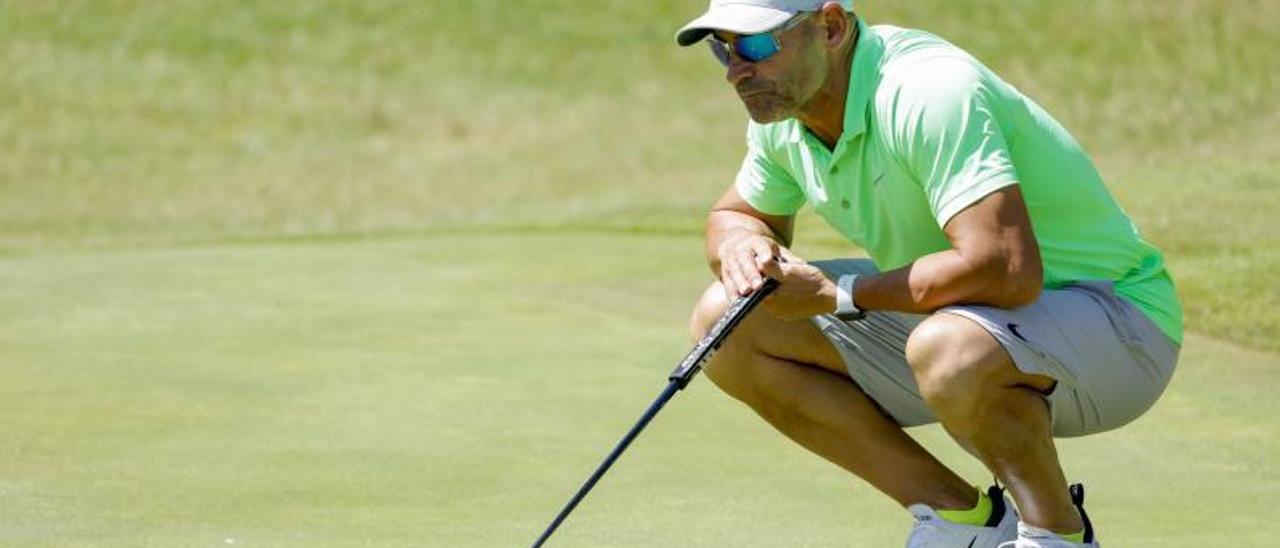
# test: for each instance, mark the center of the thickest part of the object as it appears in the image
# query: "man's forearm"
(945, 278)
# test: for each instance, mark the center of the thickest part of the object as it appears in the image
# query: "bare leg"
(996, 412)
(790, 375)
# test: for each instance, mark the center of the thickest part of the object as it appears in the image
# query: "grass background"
(373, 273)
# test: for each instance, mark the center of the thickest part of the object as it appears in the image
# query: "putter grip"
(706, 347)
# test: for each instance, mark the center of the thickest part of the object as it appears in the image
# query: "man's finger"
(731, 280)
(744, 270)
(750, 273)
(764, 252)
(730, 293)
(774, 269)
(788, 256)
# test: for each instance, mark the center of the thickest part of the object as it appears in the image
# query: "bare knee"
(752, 362)
(711, 305)
(729, 367)
(954, 360)
(733, 368)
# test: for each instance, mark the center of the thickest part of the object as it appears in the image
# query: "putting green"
(456, 390)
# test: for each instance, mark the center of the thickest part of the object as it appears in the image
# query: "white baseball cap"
(747, 16)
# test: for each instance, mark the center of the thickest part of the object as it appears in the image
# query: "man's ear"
(838, 23)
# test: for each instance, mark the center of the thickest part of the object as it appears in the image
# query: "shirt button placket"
(844, 202)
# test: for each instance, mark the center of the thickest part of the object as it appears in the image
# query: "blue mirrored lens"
(756, 47)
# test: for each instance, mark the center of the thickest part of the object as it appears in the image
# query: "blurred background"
(388, 272)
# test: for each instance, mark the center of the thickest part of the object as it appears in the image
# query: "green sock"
(978, 515)
(1074, 537)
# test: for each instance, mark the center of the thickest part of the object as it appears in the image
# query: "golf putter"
(678, 379)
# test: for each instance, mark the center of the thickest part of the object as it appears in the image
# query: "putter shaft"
(679, 378)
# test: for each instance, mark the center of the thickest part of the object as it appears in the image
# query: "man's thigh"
(874, 351)
(791, 340)
(1110, 362)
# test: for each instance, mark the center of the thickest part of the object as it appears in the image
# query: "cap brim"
(735, 18)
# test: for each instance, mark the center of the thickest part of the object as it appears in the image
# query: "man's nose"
(738, 69)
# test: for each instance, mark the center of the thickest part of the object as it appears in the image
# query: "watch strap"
(846, 309)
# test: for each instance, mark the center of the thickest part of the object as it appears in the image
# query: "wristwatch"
(846, 309)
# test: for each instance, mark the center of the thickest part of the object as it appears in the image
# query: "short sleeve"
(763, 183)
(945, 130)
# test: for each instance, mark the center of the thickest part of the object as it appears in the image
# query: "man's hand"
(743, 258)
(803, 290)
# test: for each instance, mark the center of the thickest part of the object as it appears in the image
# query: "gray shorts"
(1110, 361)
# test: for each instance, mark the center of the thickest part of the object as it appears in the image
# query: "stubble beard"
(771, 105)
(777, 101)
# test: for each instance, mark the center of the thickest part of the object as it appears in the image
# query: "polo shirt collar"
(862, 74)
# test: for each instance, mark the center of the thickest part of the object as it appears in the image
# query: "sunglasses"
(752, 48)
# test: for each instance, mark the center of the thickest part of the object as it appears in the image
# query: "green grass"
(368, 273)
(142, 123)
(405, 391)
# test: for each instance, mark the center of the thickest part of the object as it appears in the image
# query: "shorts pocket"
(1104, 294)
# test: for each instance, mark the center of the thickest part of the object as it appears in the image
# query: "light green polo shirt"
(928, 131)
